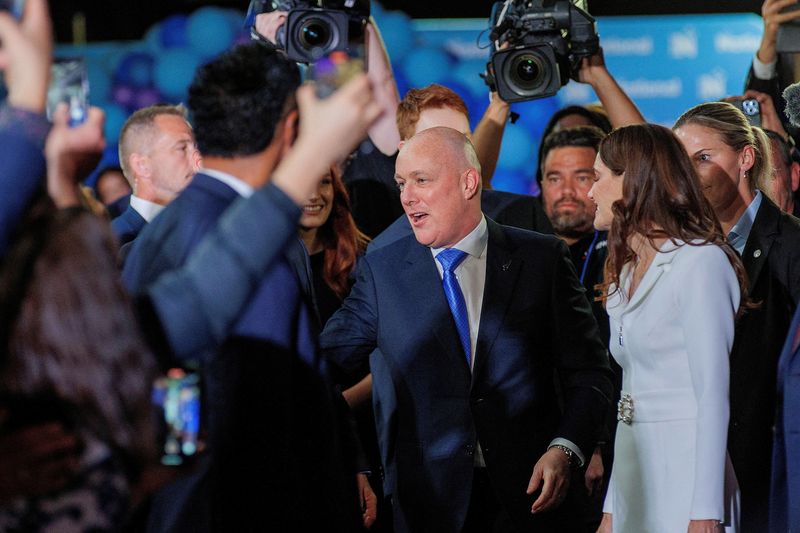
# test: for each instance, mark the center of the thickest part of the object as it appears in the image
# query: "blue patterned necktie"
(450, 258)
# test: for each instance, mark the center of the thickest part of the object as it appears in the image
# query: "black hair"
(238, 99)
(593, 113)
(579, 137)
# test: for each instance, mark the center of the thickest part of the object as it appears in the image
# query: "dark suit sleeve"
(22, 166)
(351, 333)
(197, 304)
(581, 359)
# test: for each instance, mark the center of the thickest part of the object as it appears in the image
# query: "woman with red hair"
(333, 242)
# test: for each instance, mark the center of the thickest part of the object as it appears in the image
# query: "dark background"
(128, 19)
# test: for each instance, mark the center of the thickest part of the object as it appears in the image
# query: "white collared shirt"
(471, 276)
(245, 190)
(147, 209)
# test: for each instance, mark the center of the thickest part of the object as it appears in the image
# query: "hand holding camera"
(546, 44)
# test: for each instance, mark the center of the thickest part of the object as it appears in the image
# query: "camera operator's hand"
(25, 55)
(72, 153)
(593, 69)
(330, 129)
(770, 120)
(267, 24)
(620, 108)
(773, 18)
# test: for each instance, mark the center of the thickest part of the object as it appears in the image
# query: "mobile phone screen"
(336, 69)
(69, 84)
(177, 396)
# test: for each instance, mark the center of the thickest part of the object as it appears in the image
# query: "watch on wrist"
(571, 457)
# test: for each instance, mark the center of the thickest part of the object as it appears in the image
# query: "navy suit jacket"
(535, 322)
(22, 167)
(272, 430)
(785, 498)
(128, 225)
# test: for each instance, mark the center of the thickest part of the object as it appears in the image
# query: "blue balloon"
(397, 33)
(99, 81)
(510, 181)
(173, 32)
(534, 114)
(209, 31)
(152, 39)
(518, 151)
(426, 65)
(468, 73)
(135, 70)
(174, 72)
(115, 119)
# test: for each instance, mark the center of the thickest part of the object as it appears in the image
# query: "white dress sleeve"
(707, 301)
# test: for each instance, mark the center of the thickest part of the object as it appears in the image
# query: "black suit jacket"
(772, 260)
(535, 323)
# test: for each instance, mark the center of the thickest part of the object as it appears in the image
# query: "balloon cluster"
(128, 76)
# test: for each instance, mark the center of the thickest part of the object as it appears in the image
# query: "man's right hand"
(36, 460)
(330, 129)
(773, 18)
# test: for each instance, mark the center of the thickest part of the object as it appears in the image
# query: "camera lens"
(526, 71)
(314, 33)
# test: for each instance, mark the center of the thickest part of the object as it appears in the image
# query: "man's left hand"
(551, 473)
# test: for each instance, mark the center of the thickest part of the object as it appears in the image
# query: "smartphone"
(14, 6)
(69, 83)
(335, 69)
(751, 109)
(177, 397)
(788, 39)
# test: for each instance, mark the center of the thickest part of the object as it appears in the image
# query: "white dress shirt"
(146, 209)
(245, 190)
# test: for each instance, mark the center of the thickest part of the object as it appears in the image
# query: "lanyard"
(588, 256)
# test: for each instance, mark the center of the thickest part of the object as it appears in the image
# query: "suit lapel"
(502, 271)
(422, 284)
(762, 235)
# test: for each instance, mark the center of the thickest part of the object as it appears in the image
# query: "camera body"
(546, 41)
(314, 29)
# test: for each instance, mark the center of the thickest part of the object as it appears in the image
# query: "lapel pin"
(757, 254)
(506, 265)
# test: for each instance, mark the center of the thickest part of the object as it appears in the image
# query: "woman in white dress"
(672, 291)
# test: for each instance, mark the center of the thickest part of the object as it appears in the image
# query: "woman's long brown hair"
(341, 239)
(661, 198)
(72, 334)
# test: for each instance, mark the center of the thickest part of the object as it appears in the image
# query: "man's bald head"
(439, 178)
(448, 143)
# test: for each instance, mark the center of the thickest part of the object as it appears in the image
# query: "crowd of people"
(377, 339)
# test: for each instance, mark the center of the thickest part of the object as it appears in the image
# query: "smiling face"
(720, 168)
(317, 208)
(606, 190)
(568, 175)
(438, 190)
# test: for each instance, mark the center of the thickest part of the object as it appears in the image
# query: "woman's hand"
(705, 526)
(605, 524)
